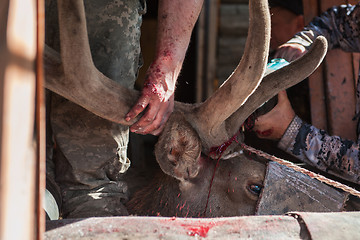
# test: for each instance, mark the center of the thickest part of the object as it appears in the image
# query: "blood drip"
(218, 151)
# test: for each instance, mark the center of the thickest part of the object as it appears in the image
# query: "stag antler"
(279, 80)
(76, 77)
(220, 116)
(210, 123)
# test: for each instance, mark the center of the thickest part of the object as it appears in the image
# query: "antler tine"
(279, 80)
(117, 97)
(77, 79)
(210, 116)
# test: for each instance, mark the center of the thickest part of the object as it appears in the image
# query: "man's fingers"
(138, 107)
(163, 115)
(151, 128)
(150, 124)
(141, 125)
(282, 96)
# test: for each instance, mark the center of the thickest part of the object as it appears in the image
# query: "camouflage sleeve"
(339, 25)
(328, 153)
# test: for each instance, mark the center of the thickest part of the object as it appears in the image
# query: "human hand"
(290, 51)
(157, 98)
(273, 124)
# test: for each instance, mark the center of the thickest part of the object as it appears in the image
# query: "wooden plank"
(340, 94)
(288, 190)
(40, 123)
(233, 29)
(111, 228)
(332, 225)
(316, 80)
(18, 162)
(234, 1)
(211, 31)
(339, 88)
(311, 9)
(318, 226)
(200, 56)
(356, 61)
(207, 44)
(326, 4)
(317, 99)
(352, 1)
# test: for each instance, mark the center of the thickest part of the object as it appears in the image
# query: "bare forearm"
(176, 20)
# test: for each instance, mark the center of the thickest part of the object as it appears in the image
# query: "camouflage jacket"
(341, 27)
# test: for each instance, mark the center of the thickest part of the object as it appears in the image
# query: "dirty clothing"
(341, 27)
(90, 154)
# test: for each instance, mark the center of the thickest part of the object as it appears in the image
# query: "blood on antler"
(74, 76)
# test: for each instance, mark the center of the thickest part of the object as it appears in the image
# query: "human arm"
(273, 124)
(331, 154)
(176, 20)
(310, 145)
(339, 25)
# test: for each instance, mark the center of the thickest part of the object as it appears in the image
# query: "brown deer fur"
(234, 192)
(192, 130)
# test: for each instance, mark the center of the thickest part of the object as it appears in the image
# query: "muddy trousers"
(87, 155)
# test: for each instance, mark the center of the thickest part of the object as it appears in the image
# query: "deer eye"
(255, 189)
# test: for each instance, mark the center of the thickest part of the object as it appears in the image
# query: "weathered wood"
(332, 89)
(234, 1)
(17, 111)
(256, 227)
(315, 226)
(332, 225)
(352, 1)
(233, 28)
(200, 55)
(317, 99)
(356, 61)
(340, 94)
(326, 4)
(40, 122)
(311, 9)
(211, 39)
(316, 80)
(234, 20)
(287, 190)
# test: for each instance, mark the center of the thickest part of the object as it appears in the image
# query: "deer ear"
(178, 144)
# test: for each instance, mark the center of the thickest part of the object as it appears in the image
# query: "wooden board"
(340, 94)
(332, 88)
(315, 226)
(17, 111)
(287, 190)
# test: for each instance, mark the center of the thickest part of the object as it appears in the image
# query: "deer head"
(235, 191)
(193, 129)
